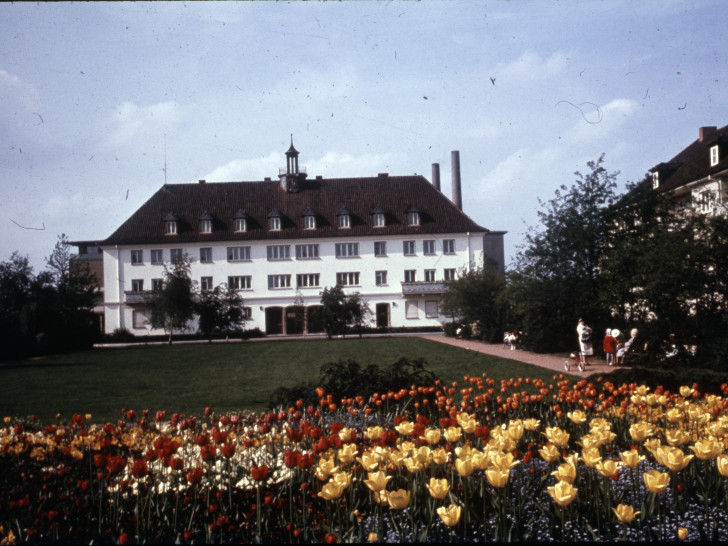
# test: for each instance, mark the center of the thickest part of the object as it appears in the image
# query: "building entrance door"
(273, 320)
(382, 315)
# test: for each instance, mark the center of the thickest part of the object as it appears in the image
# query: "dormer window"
(205, 222)
(655, 180)
(344, 215)
(413, 216)
(309, 219)
(275, 220)
(714, 156)
(378, 217)
(241, 221)
(170, 224)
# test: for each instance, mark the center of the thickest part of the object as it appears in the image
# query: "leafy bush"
(670, 379)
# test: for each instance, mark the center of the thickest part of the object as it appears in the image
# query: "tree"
(173, 307)
(220, 311)
(358, 311)
(340, 312)
(557, 274)
(476, 296)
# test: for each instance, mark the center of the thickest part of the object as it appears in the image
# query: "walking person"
(610, 347)
(586, 349)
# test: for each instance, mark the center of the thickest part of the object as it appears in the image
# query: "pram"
(574, 361)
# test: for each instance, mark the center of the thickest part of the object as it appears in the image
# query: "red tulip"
(259, 473)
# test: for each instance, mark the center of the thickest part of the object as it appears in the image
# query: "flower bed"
(520, 460)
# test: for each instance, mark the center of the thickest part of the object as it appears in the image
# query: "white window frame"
(412, 310)
(706, 201)
(430, 275)
(205, 226)
(278, 252)
(380, 248)
(347, 250)
(308, 280)
(410, 275)
(238, 253)
(448, 246)
(428, 246)
(139, 319)
(409, 248)
(274, 223)
(241, 225)
(344, 221)
(432, 309)
(137, 285)
(278, 282)
(240, 282)
(714, 156)
(157, 256)
(157, 285)
(170, 227)
(137, 257)
(307, 252)
(206, 284)
(655, 180)
(206, 255)
(380, 278)
(176, 254)
(348, 278)
(449, 274)
(378, 220)
(413, 218)
(309, 222)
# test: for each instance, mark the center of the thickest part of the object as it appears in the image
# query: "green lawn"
(228, 377)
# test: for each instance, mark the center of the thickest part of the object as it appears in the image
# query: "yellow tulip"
(464, 466)
(377, 481)
(531, 424)
(369, 461)
(325, 468)
(331, 491)
(438, 488)
(515, 430)
(347, 453)
(453, 434)
(642, 390)
(405, 428)
(380, 497)
(413, 465)
(588, 441)
(557, 436)
(707, 449)
(566, 472)
(450, 515)
(682, 533)
(608, 468)
(481, 460)
(396, 457)
(722, 462)
(432, 436)
(676, 437)
(469, 426)
(345, 434)
(398, 499)
(342, 478)
(563, 493)
(672, 457)
(372, 537)
(406, 448)
(625, 513)
(686, 391)
(674, 415)
(549, 453)
(631, 458)
(651, 444)
(604, 436)
(498, 477)
(463, 452)
(577, 417)
(440, 456)
(503, 461)
(598, 423)
(656, 481)
(373, 433)
(591, 456)
(640, 431)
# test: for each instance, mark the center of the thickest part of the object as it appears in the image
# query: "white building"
(393, 239)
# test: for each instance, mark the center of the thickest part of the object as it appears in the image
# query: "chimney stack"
(436, 175)
(705, 132)
(457, 196)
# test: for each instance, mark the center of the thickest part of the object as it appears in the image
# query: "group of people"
(510, 340)
(614, 345)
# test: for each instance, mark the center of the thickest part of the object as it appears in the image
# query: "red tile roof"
(223, 200)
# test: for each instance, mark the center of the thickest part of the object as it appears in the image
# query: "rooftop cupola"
(294, 175)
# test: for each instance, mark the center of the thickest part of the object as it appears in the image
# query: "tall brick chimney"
(436, 175)
(705, 132)
(457, 195)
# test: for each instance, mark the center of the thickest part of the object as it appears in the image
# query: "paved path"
(556, 363)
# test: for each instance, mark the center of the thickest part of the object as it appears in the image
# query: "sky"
(101, 104)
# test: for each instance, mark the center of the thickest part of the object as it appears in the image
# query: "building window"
(157, 256)
(279, 252)
(655, 180)
(274, 223)
(205, 284)
(309, 222)
(176, 255)
(347, 250)
(279, 281)
(428, 246)
(137, 285)
(238, 253)
(429, 275)
(448, 246)
(449, 274)
(410, 275)
(344, 221)
(170, 227)
(380, 248)
(408, 247)
(137, 257)
(714, 157)
(705, 202)
(307, 252)
(157, 285)
(412, 312)
(380, 278)
(348, 279)
(206, 255)
(413, 218)
(205, 226)
(307, 280)
(247, 312)
(241, 224)
(379, 219)
(139, 320)
(431, 310)
(240, 282)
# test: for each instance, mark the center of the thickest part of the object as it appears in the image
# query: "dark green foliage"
(220, 311)
(670, 378)
(173, 307)
(347, 379)
(339, 313)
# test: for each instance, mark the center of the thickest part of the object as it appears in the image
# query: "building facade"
(392, 239)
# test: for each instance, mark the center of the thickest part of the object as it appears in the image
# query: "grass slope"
(186, 378)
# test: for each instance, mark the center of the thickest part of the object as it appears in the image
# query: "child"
(610, 347)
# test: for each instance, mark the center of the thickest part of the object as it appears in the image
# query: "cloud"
(531, 67)
(70, 205)
(131, 122)
(247, 169)
(18, 99)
